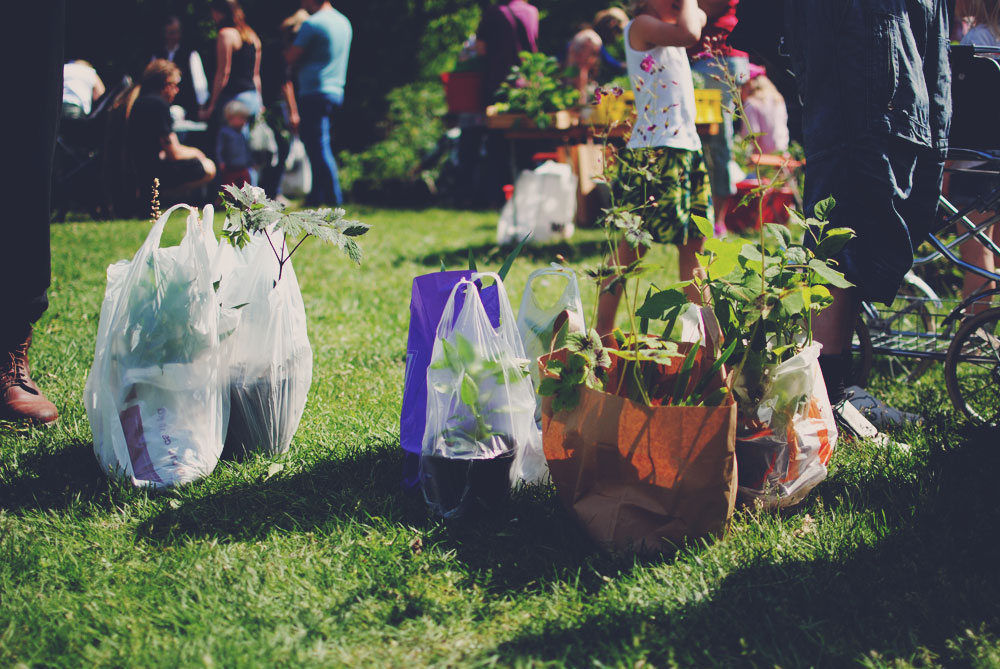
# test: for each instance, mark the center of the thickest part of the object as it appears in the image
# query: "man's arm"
(648, 31)
(174, 150)
(714, 8)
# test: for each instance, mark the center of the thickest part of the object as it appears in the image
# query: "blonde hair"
(983, 13)
(763, 89)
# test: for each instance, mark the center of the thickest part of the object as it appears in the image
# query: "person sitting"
(583, 58)
(82, 87)
(153, 146)
(232, 149)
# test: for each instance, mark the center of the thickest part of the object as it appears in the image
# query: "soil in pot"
(456, 488)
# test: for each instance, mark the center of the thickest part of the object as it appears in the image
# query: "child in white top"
(664, 141)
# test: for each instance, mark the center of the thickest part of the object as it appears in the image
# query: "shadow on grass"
(526, 540)
(490, 254)
(46, 480)
(904, 597)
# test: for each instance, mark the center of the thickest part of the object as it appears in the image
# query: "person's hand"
(205, 113)
(293, 121)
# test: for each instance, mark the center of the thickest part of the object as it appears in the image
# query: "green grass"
(890, 562)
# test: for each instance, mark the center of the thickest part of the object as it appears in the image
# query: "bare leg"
(834, 326)
(975, 253)
(607, 303)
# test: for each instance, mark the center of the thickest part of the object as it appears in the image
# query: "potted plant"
(535, 94)
(269, 355)
(475, 447)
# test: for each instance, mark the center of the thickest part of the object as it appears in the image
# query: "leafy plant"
(249, 211)
(478, 378)
(762, 295)
(537, 87)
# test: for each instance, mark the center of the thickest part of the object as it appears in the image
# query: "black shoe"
(880, 414)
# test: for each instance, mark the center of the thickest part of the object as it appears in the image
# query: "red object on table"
(463, 91)
(744, 217)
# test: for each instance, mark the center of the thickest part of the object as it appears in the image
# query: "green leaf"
(793, 303)
(716, 397)
(443, 268)
(823, 208)
(472, 262)
(833, 241)
(511, 257)
(469, 391)
(705, 226)
(724, 255)
(828, 274)
(659, 306)
(781, 234)
(680, 385)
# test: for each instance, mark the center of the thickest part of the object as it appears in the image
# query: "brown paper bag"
(643, 478)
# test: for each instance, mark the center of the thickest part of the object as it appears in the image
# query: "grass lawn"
(318, 558)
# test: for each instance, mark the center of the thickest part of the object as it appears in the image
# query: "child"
(664, 140)
(965, 187)
(765, 112)
(232, 150)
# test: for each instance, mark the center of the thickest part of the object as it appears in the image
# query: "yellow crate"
(611, 109)
(708, 105)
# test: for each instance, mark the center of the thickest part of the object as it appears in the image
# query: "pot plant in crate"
(270, 358)
(535, 94)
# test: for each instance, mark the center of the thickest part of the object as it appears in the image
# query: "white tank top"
(664, 97)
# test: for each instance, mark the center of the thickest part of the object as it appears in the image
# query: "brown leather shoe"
(20, 398)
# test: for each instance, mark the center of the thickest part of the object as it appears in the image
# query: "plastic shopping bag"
(156, 394)
(428, 297)
(297, 179)
(268, 355)
(480, 405)
(543, 329)
(543, 205)
(784, 447)
(263, 144)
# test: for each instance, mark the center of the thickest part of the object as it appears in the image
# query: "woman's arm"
(649, 31)
(227, 42)
(256, 77)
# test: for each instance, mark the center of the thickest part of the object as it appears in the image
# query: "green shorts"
(675, 179)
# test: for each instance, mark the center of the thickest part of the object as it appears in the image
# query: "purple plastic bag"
(429, 295)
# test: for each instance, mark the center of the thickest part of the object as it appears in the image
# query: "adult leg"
(30, 140)
(315, 129)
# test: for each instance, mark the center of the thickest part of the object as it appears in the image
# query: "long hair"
(983, 12)
(233, 17)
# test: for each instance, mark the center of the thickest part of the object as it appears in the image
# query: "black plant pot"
(455, 488)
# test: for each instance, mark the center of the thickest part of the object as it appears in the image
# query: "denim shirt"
(874, 67)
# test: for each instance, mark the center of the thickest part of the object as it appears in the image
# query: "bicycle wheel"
(972, 368)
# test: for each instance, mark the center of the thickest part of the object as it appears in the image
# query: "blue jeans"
(875, 85)
(316, 130)
(719, 148)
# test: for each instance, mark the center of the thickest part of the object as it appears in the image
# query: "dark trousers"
(30, 128)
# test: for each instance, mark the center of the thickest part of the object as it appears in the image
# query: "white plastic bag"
(537, 324)
(480, 404)
(263, 144)
(156, 393)
(268, 354)
(297, 179)
(543, 204)
(783, 452)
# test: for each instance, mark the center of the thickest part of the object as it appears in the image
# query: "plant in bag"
(269, 355)
(480, 406)
(536, 87)
(156, 392)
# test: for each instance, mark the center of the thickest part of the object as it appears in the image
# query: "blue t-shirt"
(325, 39)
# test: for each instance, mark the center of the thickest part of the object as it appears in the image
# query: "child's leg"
(975, 253)
(607, 302)
(689, 267)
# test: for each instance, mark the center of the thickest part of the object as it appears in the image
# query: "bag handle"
(571, 293)
(508, 323)
(156, 232)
